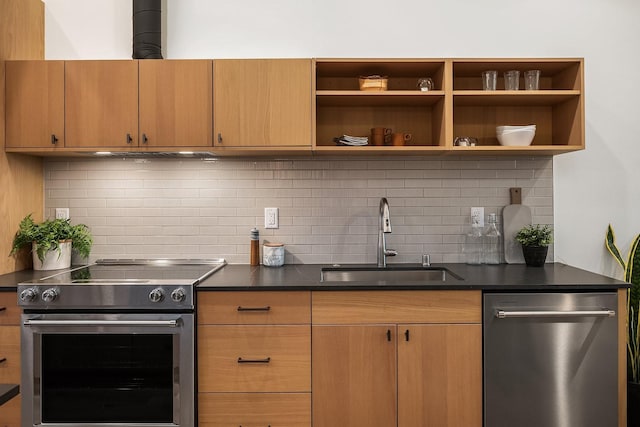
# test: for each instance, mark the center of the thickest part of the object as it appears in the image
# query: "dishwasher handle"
(169, 323)
(503, 314)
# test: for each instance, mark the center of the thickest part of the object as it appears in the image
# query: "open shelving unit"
(456, 107)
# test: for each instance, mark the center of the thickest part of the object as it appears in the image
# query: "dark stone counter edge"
(8, 392)
(406, 287)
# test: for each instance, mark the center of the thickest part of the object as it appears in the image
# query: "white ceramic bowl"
(516, 137)
(505, 129)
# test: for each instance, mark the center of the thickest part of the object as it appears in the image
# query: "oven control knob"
(49, 295)
(178, 295)
(156, 295)
(28, 295)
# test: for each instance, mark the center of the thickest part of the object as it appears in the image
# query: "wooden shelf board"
(364, 98)
(390, 67)
(502, 150)
(379, 150)
(475, 67)
(513, 97)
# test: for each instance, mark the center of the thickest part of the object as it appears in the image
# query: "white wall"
(592, 188)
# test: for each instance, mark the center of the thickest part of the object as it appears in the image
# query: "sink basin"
(394, 274)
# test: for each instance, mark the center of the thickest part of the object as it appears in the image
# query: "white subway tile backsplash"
(328, 207)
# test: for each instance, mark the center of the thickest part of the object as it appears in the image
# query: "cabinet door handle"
(3, 308)
(54, 140)
(219, 138)
(2, 360)
(265, 360)
(129, 139)
(144, 138)
(267, 426)
(389, 335)
(406, 335)
(265, 308)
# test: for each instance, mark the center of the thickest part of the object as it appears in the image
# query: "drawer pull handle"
(3, 308)
(267, 308)
(4, 359)
(265, 360)
(54, 139)
(267, 426)
(389, 335)
(406, 335)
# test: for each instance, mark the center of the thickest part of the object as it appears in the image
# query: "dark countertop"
(551, 277)
(9, 282)
(8, 392)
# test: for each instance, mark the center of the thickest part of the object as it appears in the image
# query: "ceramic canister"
(273, 254)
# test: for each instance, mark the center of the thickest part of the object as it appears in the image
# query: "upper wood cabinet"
(101, 104)
(175, 103)
(35, 104)
(262, 103)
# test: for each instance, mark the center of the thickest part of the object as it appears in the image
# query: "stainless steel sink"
(391, 274)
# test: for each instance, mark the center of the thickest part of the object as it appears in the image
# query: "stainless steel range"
(111, 344)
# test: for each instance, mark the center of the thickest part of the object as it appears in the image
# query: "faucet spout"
(384, 227)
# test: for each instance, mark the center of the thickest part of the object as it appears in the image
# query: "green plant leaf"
(610, 243)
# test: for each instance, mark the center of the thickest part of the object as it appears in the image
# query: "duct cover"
(147, 29)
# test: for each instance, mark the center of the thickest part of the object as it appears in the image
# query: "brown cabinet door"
(35, 104)
(9, 354)
(101, 104)
(10, 413)
(175, 103)
(440, 375)
(239, 358)
(354, 376)
(262, 102)
(254, 409)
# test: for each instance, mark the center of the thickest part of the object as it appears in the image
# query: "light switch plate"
(62, 213)
(477, 217)
(270, 217)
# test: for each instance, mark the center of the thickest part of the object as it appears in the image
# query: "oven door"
(108, 369)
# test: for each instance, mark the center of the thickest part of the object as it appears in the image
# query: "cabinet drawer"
(258, 308)
(10, 352)
(10, 413)
(9, 310)
(254, 358)
(357, 307)
(254, 409)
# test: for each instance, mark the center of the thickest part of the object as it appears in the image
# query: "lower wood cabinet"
(407, 373)
(254, 409)
(254, 359)
(9, 356)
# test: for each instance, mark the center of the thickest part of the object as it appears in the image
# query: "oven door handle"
(35, 322)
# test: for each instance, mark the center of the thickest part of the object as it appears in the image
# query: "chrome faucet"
(384, 227)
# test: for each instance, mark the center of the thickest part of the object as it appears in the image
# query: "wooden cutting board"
(514, 217)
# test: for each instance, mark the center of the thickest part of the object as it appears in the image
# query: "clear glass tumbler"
(532, 80)
(489, 80)
(512, 80)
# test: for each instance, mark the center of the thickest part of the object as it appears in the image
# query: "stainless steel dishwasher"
(550, 359)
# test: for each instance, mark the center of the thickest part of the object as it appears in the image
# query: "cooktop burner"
(146, 284)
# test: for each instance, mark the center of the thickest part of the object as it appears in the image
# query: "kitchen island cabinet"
(10, 356)
(410, 356)
(262, 105)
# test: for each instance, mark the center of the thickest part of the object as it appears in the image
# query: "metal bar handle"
(265, 360)
(502, 314)
(3, 308)
(4, 359)
(170, 323)
(265, 308)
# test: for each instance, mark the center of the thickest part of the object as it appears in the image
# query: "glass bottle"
(473, 246)
(491, 242)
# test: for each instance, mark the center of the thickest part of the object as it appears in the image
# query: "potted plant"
(52, 242)
(535, 241)
(631, 275)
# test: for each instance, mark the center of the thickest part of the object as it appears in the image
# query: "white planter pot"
(53, 260)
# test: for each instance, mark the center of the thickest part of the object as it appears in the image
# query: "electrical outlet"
(477, 217)
(62, 213)
(270, 217)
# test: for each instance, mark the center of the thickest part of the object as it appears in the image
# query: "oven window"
(108, 378)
